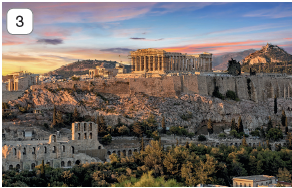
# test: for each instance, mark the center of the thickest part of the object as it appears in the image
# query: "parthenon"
(159, 61)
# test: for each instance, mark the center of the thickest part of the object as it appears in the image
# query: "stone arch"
(10, 167)
(48, 163)
(124, 153)
(114, 152)
(77, 162)
(64, 149)
(90, 127)
(99, 147)
(135, 150)
(62, 164)
(18, 167)
(119, 153)
(236, 144)
(14, 151)
(130, 153)
(249, 144)
(32, 166)
(45, 149)
(78, 136)
(90, 135)
(33, 150)
(72, 149)
(54, 149)
(69, 163)
(85, 137)
(253, 145)
(231, 144)
(108, 153)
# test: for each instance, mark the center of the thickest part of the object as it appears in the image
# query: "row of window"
(54, 150)
(85, 136)
(240, 185)
(84, 128)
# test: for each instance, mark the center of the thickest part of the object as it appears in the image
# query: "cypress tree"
(210, 126)
(233, 126)
(284, 119)
(240, 126)
(54, 117)
(244, 141)
(286, 130)
(263, 134)
(270, 124)
(43, 168)
(275, 105)
(163, 125)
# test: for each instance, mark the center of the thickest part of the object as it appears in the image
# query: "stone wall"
(172, 86)
(11, 95)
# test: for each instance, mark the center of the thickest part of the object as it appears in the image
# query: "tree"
(123, 130)
(244, 141)
(137, 129)
(54, 117)
(275, 105)
(202, 138)
(233, 125)
(106, 139)
(286, 130)
(59, 118)
(163, 125)
(43, 169)
(142, 145)
(274, 134)
(210, 126)
(270, 124)
(284, 175)
(75, 115)
(101, 126)
(240, 126)
(284, 119)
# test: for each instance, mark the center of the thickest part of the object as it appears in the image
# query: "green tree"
(202, 138)
(163, 125)
(284, 119)
(263, 134)
(75, 115)
(286, 129)
(240, 125)
(233, 125)
(101, 126)
(244, 141)
(270, 124)
(123, 130)
(274, 134)
(275, 105)
(106, 139)
(284, 175)
(210, 126)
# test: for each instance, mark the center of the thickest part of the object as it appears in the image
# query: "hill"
(82, 67)
(220, 62)
(271, 58)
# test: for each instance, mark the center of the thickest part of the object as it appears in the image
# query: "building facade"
(26, 154)
(254, 181)
(159, 61)
(21, 81)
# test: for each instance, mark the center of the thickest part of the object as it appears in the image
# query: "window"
(99, 147)
(69, 163)
(78, 136)
(33, 150)
(62, 164)
(72, 148)
(54, 149)
(84, 136)
(90, 126)
(24, 151)
(90, 135)
(78, 127)
(45, 149)
(63, 148)
(84, 126)
(32, 166)
(14, 151)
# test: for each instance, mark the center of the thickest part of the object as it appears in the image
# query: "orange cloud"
(215, 47)
(7, 43)
(288, 38)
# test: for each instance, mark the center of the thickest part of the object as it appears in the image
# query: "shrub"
(222, 135)
(231, 95)
(202, 138)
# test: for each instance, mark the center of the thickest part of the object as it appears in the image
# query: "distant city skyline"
(66, 32)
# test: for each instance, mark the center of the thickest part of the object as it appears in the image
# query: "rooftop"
(256, 177)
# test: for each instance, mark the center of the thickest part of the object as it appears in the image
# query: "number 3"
(20, 21)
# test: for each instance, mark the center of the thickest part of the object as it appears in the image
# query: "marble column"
(145, 62)
(140, 60)
(133, 63)
(163, 64)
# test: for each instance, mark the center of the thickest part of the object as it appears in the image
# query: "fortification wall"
(261, 88)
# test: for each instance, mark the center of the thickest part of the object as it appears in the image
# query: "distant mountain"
(82, 67)
(268, 54)
(271, 58)
(220, 62)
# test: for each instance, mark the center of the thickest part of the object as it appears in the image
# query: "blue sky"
(65, 32)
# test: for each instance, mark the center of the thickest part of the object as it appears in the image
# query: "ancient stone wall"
(261, 88)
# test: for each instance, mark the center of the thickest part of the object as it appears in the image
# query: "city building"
(254, 181)
(20, 81)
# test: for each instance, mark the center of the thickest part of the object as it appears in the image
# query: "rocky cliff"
(268, 54)
(191, 110)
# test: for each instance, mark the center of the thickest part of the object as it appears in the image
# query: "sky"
(66, 32)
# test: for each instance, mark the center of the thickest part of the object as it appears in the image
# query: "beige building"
(159, 61)
(20, 81)
(254, 181)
